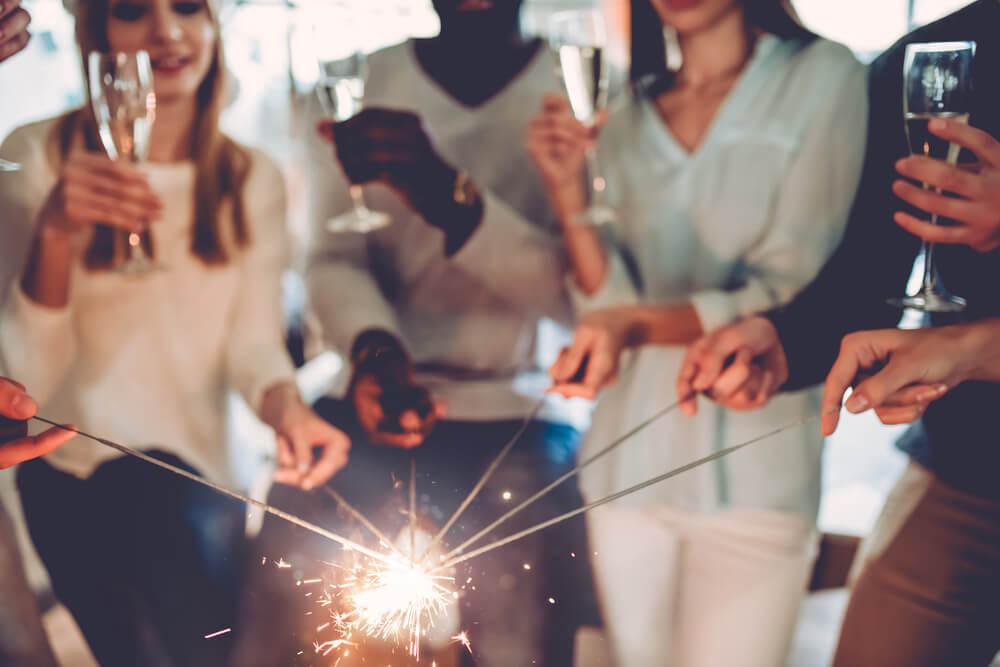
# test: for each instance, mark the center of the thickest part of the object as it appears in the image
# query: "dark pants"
(145, 560)
(932, 598)
(22, 638)
(506, 609)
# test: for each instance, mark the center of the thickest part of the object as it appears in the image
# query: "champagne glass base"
(931, 302)
(360, 221)
(136, 267)
(7, 165)
(596, 215)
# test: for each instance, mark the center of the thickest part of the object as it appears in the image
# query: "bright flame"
(387, 601)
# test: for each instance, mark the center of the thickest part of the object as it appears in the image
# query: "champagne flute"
(937, 83)
(124, 105)
(578, 39)
(341, 89)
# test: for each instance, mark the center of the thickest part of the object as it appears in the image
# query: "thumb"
(875, 390)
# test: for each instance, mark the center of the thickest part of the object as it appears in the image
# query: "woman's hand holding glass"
(973, 202)
(14, 34)
(558, 144)
(93, 189)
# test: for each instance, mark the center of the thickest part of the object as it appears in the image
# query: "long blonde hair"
(221, 165)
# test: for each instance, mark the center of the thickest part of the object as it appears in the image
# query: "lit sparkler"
(392, 601)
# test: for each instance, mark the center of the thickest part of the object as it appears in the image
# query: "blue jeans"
(22, 638)
(508, 615)
(145, 560)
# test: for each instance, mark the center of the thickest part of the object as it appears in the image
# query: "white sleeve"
(515, 259)
(37, 343)
(344, 297)
(811, 211)
(256, 357)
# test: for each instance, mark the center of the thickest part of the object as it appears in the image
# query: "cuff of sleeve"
(478, 254)
(715, 308)
(269, 369)
(36, 324)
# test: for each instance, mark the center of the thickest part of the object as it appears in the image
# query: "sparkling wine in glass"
(578, 39)
(341, 88)
(937, 83)
(124, 105)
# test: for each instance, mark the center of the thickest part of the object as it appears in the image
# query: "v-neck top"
(475, 323)
(737, 226)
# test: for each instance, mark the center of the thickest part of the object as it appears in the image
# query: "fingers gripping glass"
(121, 94)
(341, 88)
(937, 83)
(578, 39)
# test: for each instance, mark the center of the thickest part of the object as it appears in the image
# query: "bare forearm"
(46, 277)
(675, 324)
(588, 260)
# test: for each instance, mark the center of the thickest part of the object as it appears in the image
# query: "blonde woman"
(142, 558)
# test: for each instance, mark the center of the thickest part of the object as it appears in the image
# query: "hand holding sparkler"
(391, 408)
(898, 373)
(740, 366)
(16, 446)
(300, 431)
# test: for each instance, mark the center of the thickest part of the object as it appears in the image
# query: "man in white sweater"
(439, 314)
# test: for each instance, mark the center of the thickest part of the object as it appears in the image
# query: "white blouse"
(145, 361)
(735, 227)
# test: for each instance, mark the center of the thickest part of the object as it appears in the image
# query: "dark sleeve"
(874, 259)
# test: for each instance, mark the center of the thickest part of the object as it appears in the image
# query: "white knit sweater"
(145, 361)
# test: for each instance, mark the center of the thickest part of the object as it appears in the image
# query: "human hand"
(393, 147)
(590, 362)
(904, 370)
(391, 408)
(558, 145)
(16, 446)
(94, 189)
(976, 210)
(14, 34)
(740, 366)
(310, 449)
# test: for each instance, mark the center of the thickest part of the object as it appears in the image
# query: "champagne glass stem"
(135, 249)
(358, 198)
(597, 182)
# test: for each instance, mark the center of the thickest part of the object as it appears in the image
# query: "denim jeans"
(22, 638)
(145, 560)
(506, 608)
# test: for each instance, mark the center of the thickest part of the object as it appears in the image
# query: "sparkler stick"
(291, 518)
(571, 473)
(356, 513)
(620, 494)
(413, 509)
(486, 476)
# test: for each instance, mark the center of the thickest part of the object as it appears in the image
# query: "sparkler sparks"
(392, 601)
(218, 634)
(463, 639)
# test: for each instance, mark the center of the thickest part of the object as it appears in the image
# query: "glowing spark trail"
(451, 562)
(356, 513)
(413, 510)
(569, 474)
(291, 518)
(219, 633)
(485, 478)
